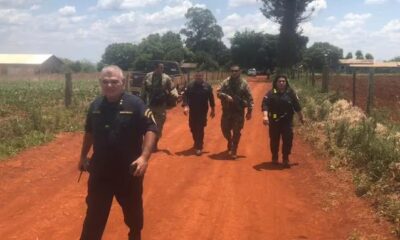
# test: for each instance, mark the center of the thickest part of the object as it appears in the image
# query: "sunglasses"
(235, 70)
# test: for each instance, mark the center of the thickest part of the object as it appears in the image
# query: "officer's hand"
(138, 167)
(185, 110)
(212, 113)
(83, 164)
(265, 121)
(229, 98)
(248, 115)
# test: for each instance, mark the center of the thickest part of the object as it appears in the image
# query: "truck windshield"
(170, 68)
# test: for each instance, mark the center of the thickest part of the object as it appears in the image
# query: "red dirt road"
(188, 197)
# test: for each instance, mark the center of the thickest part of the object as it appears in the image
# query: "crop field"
(32, 112)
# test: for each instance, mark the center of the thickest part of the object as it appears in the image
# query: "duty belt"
(277, 118)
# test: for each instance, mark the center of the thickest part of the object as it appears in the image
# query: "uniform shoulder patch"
(149, 115)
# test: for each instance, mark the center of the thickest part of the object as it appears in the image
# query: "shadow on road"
(271, 166)
(188, 152)
(166, 151)
(224, 156)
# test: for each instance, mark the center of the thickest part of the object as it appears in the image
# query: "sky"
(78, 29)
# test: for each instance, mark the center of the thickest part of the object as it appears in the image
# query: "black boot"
(285, 160)
(274, 158)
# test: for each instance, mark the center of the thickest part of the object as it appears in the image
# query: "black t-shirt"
(118, 129)
(281, 106)
(197, 96)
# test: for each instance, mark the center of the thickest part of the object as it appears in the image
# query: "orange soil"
(188, 197)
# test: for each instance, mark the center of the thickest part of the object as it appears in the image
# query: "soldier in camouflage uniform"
(157, 87)
(235, 96)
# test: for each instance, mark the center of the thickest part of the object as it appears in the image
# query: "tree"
(250, 49)
(168, 46)
(120, 54)
(396, 59)
(321, 53)
(359, 54)
(203, 34)
(349, 55)
(289, 14)
(369, 56)
(78, 66)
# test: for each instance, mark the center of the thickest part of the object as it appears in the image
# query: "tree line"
(200, 41)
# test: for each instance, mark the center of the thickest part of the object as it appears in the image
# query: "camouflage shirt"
(156, 89)
(239, 90)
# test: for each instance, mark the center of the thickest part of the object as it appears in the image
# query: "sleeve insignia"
(149, 114)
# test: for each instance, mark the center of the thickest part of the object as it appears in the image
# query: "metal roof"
(356, 61)
(189, 65)
(377, 65)
(28, 59)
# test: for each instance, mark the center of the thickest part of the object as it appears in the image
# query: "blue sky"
(79, 29)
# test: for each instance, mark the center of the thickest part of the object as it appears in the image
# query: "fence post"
(68, 89)
(371, 85)
(313, 78)
(325, 79)
(354, 87)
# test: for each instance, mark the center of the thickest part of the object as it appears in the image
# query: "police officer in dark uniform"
(122, 131)
(198, 94)
(279, 106)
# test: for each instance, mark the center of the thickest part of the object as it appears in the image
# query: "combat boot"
(233, 154)
(285, 160)
(275, 158)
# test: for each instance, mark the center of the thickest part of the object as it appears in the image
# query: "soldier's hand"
(229, 98)
(248, 115)
(265, 120)
(185, 110)
(138, 167)
(83, 164)
(212, 113)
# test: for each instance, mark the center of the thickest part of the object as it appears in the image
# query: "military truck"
(136, 78)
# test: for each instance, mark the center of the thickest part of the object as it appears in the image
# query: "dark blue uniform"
(118, 130)
(281, 108)
(197, 96)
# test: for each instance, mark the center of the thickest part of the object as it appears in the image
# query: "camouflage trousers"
(160, 115)
(231, 125)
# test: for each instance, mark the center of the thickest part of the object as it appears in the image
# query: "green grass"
(32, 112)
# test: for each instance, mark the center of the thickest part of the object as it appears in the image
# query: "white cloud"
(316, 6)
(383, 44)
(34, 7)
(67, 11)
(18, 3)
(371, 2)
(331, 18)
(256, 22)
(13, 16)
(239, 3)
(352, 20)
(125, 4)
(391, 32)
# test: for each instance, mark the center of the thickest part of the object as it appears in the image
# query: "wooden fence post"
(371, 88)
(325, 79)
(312, 78)
(354, 87)
(68, 90)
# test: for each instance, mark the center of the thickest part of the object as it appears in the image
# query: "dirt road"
(191, 198)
